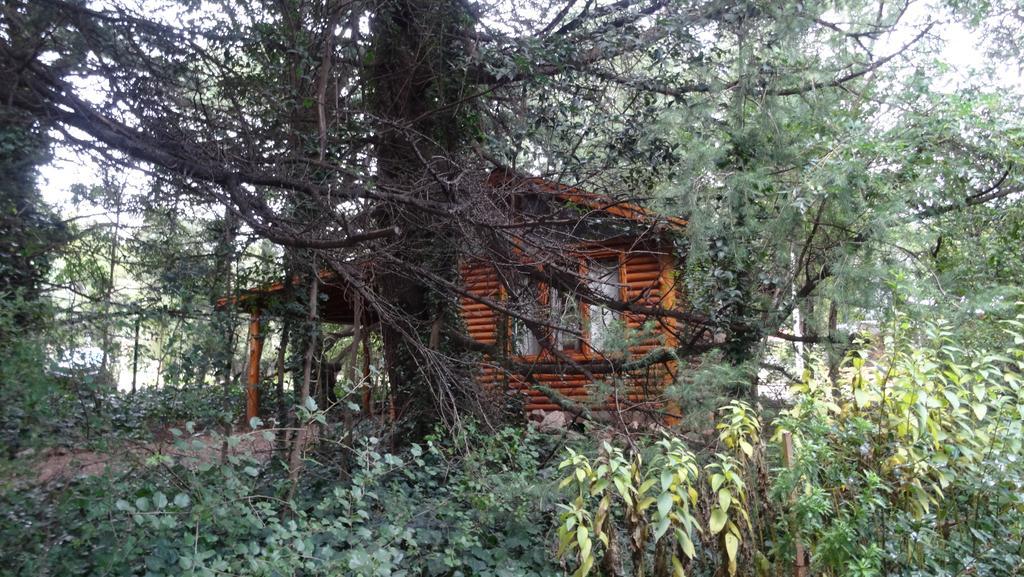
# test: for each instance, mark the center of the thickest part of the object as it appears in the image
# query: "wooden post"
(800, 567)
(252, 392)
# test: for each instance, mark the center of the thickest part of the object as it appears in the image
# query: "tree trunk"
(299, 442)
(224, 320)
(835, 349)
(412, 82)
(135, 353)
(282, 406)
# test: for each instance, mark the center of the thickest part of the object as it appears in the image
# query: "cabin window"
(566, 313)
(524, 343)
(579, 321)
(602, 279)
(525, 298)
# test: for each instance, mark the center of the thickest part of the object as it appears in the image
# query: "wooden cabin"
(624, 252)
(628, 255)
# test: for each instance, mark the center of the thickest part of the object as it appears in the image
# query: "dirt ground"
(66, 463)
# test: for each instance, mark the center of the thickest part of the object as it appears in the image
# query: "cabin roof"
(506, 178)
(338, 307)
(341, 308)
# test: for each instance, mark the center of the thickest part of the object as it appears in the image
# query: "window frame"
(584, 348)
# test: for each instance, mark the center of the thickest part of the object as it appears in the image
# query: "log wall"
(647, 278)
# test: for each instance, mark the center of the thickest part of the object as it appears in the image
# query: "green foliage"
(432, 510)
(29, 231)
(915, 467)
(29, 407)
(910, 465)
(655, 502)
(46, 403)
(709, 383)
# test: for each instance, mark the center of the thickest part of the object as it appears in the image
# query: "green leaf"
(664, 504)
(623, 492)
(724, 499)
(182, 500)
(160, 500)
(661, 528)
(686, 543)
(716, 481)
(980, 410)
(666, 480)
(718, 519)
(732, 545)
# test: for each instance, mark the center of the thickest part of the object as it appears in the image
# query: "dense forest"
(512, 287)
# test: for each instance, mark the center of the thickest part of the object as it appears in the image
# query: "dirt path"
(63, 463)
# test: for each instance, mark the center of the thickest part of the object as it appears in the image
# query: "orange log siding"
(647, 278)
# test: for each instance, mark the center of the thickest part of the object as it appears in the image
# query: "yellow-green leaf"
(677, 567)
(862, 397)
(582, 535)
(732, 545)
(686, 543)
(980, 410)
(747, 448)
(718, 519)
(724, 499)
(645, 503)
(584, 568)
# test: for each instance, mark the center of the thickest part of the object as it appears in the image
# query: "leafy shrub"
(911, 465)
(206, 406)
(433, 510)
(33, 405)
(914, 467)
(653, 503)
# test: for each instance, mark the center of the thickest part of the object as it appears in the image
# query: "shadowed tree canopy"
(343, 129)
